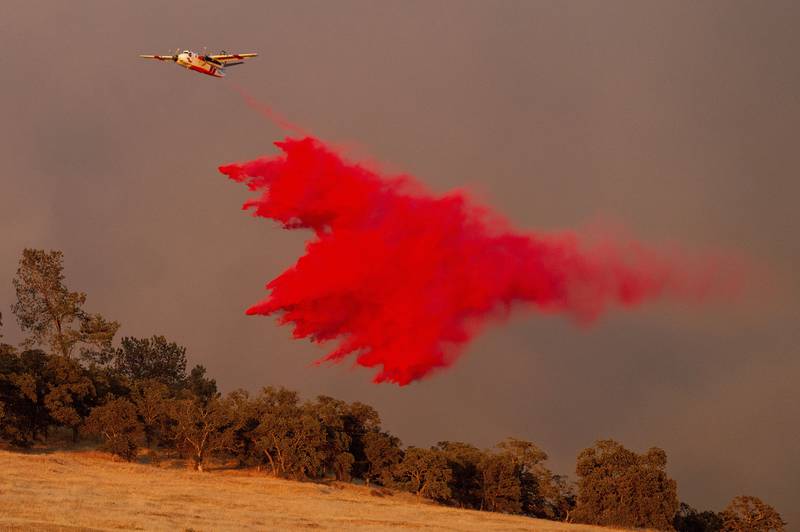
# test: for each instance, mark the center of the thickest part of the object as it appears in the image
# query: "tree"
(201, 429)
(70, 393)
(382, 454)
(38, 390)
(289, 435)
(750, 514)
(534, 477)
(96, 335)
(425, 473)
(360, 420)
(49, 312)
(117, 424)
(500, 485)
(690, 520)
(246, 419)
(560, 498)
(24, 383)
(331, 414)
(150, 397)
(617, 487)
(7, 358)
(464, 461)
(152, 358)
(200, 386)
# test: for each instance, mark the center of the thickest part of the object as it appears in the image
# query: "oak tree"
(289, 435)
(70, 393)
(464, 461)
(117, 424)
(425, 473)
(688, 519)
(151, 398)
(750, 514)
(382, 453)
(618, 487)
(499, 481)
(201, 429)
(24, 384)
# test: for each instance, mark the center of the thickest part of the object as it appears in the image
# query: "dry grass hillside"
(88, 490)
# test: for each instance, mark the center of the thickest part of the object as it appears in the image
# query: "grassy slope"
(66, 490)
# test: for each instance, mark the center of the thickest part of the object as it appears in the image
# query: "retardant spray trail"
(403, 279)
(268, 112)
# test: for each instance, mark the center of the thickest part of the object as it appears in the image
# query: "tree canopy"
(152, 358)
(139, 394)
(49, 312)
(617, 487)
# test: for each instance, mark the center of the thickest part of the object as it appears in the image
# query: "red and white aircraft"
(210, 64)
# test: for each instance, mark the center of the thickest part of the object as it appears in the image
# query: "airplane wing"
(230, 59)
(159, 57)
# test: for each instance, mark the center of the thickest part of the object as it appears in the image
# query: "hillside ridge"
(88, 490)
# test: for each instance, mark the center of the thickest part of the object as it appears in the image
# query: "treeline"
(68, 374)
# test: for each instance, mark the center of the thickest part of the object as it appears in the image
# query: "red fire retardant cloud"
(403, 279)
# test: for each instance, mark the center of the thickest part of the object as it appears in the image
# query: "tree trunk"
(271, 463)
(198, 461)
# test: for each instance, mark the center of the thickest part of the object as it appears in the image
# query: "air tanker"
(208, 64)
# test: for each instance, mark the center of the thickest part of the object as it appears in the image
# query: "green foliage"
(533, 477)
(559, 497)
(617, 487)
(466, 484)
(360, 420)
(152, 358)
(96, 335)
(202, 429)
(331, 415)
(151, 399)
(425, 473)
(542, 494)
(289, 435)
(500, 484)
(24, 384)
(246, 417)
(70, 393)
(511, 479)
(201, 386)
(750, 514)
(690, 520)
(117, 424)
(52, 315)
(382, 453)
(141, 392)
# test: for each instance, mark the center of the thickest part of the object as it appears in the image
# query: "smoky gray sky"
(676, 120)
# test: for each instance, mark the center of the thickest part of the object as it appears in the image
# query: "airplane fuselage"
(209, 64)
(195, 62)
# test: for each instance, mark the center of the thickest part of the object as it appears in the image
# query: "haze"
(676, 120)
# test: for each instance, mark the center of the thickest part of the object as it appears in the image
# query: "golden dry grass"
(88, 490)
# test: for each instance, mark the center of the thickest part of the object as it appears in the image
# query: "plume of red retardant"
(404, 279)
